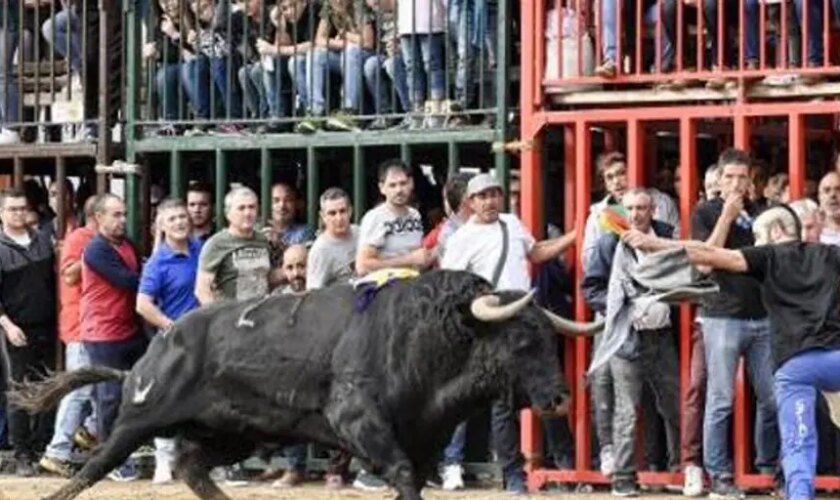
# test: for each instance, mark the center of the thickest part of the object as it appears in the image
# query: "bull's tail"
(43, 395)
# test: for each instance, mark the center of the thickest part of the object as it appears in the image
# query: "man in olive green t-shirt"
(235, 263)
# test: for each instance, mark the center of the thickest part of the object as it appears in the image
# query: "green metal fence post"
(405, 153)
(265, 185)
(132, 68)
(503, 92)
(312, 186)
(221, 188)
(454, 155)
(132, 205)
(359, 183)
(176, 175)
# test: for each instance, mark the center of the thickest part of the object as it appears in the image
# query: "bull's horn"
(487, 308)
(573, 328)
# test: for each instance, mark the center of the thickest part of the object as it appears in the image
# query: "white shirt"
(428, 16)
(390, 233)
(830, 236)
(477, 247)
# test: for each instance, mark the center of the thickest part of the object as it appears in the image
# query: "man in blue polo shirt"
(167, 292)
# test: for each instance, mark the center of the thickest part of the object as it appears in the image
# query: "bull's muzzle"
(573, 328)
(487, 308)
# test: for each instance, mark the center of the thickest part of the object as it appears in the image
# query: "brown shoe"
(56, 466)
(290, 479)
(84, 439)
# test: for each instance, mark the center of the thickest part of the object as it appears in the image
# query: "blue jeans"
(75, 409)
(296, 455)
(231, 96)
(609, 37)
(300, 71)
(9, 95)
(731, 18)
(461, 19)
(429, 50)
(195, 77)
(107, 396)
(796, 384)
(377, 86)
(272, 83)
(815, 27)
(726, 340)
(349, 64)
(251, 81)
(453, 454)
(67, 25)
(167, 80)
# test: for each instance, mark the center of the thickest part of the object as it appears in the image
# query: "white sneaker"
(452, 476)
(163, 474)
(607, 460)
(693, 481)
(833, 399)
(8, 136)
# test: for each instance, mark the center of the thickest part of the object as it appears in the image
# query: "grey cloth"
(656, 366)
(665, 276)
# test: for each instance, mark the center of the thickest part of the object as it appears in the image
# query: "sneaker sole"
(833, 399)
(236, 484)
(369, 489)
(50, 467)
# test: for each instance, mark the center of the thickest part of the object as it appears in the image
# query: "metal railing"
(674, 45)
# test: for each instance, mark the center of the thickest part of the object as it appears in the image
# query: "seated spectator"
(421, 25)
(64, 33)
(282, 231)
(389, 59)
(214, 23)
(731, 22)
(258, 28)
(295, 22)
(345, 38)
(9, 94)
(610, 39)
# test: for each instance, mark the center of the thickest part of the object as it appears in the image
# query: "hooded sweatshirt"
(27, 281)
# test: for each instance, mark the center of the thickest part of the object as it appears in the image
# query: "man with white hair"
(828, 193)
(809, 217)
(799, 285)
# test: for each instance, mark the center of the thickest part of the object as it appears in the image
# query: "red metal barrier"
(748, 113)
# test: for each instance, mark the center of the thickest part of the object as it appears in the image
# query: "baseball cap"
(482, 182)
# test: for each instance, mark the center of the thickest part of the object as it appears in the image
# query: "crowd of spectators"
(107, 291)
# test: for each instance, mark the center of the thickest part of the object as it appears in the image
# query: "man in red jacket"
(110, 274)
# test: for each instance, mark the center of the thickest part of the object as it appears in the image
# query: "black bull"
(388, 385)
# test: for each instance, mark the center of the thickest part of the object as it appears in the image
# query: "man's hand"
(192, 37)
(732, 206)
(638, 239)
(266, 48)
(167, 27)
(15, 335)
(422, 258)
(150, 50)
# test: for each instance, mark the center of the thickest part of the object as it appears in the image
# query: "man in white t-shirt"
(478, 246)
(391, 235)
(332, 257)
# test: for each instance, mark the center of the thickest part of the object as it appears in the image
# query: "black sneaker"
(625, 488)
(724, 488)
(24, 468)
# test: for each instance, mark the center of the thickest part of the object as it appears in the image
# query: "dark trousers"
(505, 426)
(29, 434)
(107, 396)
(695, 403)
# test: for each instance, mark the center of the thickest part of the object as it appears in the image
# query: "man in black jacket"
(648, 356)
(27, 317)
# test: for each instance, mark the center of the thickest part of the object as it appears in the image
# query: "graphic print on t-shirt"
(252, 265)
(400, 225)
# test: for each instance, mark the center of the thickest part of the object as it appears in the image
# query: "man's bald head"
(294, 267)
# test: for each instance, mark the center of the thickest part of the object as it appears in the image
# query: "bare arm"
(731, 209)
(368, 260)
(548, 249)
(204, 287)
(149, 311)
(322, 36)
(72, 273)
(699, 253)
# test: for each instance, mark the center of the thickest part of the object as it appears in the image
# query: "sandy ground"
(29, 489)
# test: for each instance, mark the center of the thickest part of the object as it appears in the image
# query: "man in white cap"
(497, 247)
